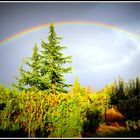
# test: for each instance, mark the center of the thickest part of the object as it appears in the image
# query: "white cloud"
(97, 49)
(104, 55)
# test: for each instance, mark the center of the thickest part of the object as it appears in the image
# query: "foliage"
(24, 111)
(53, 61)
(126, 97)
(30, 79)
(49, 115)
(133, 125)
(75, 114)
(46, 70)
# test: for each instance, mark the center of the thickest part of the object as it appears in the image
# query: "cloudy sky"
(99, 54)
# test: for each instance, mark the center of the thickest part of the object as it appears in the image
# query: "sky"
(99, 54)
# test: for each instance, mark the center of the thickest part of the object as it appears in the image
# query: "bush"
(48, 115)
(39, 114)
(126, 98)
(25, 111)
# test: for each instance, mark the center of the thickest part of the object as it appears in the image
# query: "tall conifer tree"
(46, 70)
(53, 62)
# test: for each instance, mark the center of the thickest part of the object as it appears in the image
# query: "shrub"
(126, 97)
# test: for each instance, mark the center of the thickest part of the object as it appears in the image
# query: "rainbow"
(28, 30)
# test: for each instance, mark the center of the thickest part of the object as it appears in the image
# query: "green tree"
(30, 78)
(53, 63)
(47, 69)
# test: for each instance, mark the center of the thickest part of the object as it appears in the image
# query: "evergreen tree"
(53, 61)
(30, 79)
(46, 70)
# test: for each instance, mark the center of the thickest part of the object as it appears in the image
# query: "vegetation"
(30, 79)
(126, 98)
(46, 70)
(43, 114)
(79, 113)
(42, 108)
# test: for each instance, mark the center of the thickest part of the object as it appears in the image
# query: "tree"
(46, 70)
(53, 62)
(30, 79)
